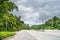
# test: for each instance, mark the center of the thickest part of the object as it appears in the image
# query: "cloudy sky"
(32, 12)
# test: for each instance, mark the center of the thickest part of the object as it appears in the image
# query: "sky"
(35, 12)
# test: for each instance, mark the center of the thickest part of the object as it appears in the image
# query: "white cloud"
(25, 8)
(32, 11)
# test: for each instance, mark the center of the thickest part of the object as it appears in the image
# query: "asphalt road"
(36, 35)
(47, 35)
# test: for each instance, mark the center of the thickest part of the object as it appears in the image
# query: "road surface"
(36, 35)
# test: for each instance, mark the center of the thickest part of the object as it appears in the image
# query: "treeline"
(53, 23)
(9, 22)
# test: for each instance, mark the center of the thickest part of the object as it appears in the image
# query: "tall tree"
(6, 6)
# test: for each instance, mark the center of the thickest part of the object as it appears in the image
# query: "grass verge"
(6, 34)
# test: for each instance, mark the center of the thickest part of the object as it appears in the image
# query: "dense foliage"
(9, 22)
(53, 23)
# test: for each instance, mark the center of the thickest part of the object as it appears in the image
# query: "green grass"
(6, 34)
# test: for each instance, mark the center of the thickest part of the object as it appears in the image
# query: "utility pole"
(42, 26)
(6, 24)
